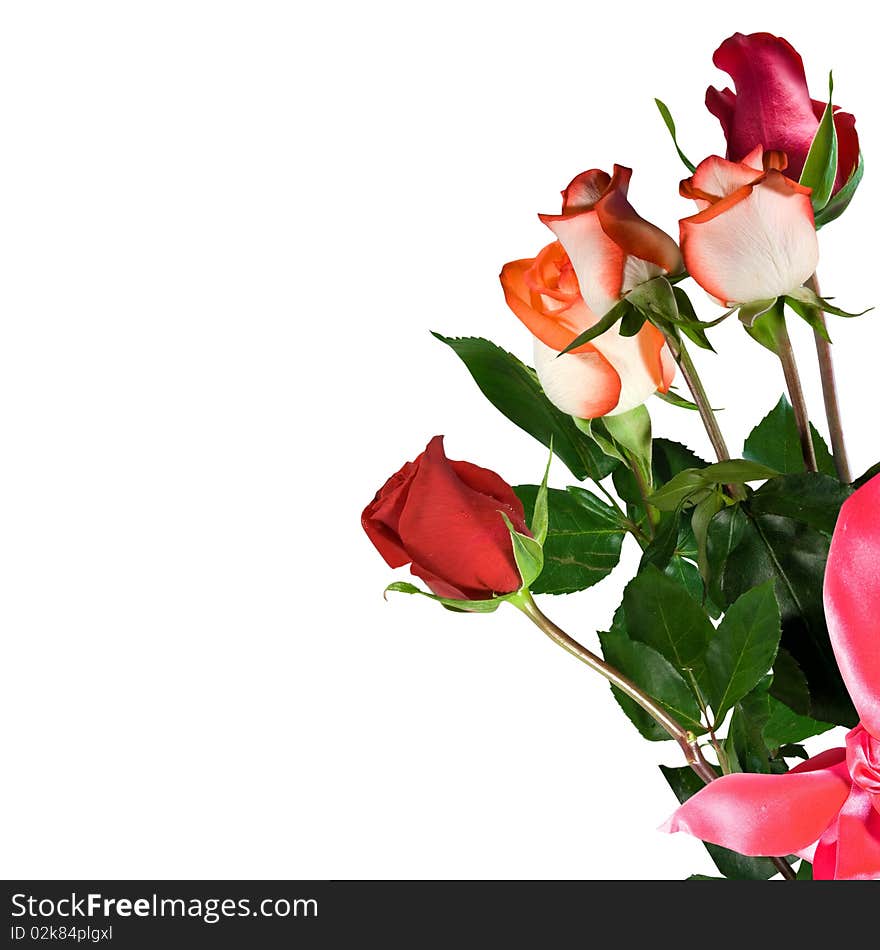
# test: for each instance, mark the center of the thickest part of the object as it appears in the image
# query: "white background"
(226, 231)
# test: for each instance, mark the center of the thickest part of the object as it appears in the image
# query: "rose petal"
(381, 518)
(585, 385)
(638, 238)
(756, 244)
(456, 533)
(556, 329)
(717, 178)
(772, 105)
(597, 260)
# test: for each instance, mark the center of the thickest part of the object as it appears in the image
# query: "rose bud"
(611, 374)
(444, 518)
(772, 105)
(754, 238)
(610, 247)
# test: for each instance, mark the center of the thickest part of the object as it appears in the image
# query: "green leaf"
(685, 783)
(784, 726)
(745, 739)
(661, 549)
(615, 314)
(663, 614)
(805, 871)
(690, 485)
(775, 442)
(725, 533)
(462, 606)
(704, 877)
(527, 552)
(737, 470)
(670, 125)
(793, 555)
(583, 540)
(701, 519)
(667, 460)
(678, 490)
(820, 168)
(742, 650)
(687, 574)
(809, 497)
(656, 676)
(872, 472)
(840, 202)
(513, 388)
(789, 684)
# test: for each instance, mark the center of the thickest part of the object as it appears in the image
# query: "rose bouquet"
(749, 625)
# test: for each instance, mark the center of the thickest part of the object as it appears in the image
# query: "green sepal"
(595, 429)
(462, 606)
(541, 515)
(811, 316)
(840, 202)
(631, 322)
(656, 300)
(632, 431)
(820, 167)
(615, 314)
(669, 122)
(527, 552)
(750, 312)
(674, 399)
(765, 326)
(812, 299)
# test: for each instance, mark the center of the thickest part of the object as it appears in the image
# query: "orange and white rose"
(609, 375)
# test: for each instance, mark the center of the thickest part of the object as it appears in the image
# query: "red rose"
(772, 105)
(445, 518)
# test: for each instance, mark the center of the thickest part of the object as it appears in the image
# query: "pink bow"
(826, 810)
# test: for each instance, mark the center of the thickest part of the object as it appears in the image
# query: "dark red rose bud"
(445, 518)
(772, 105)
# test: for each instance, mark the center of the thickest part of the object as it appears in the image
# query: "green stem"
(723, 760)
(829, 393)
(645, 490)
(686, 740)
(795, 392)
(698, 391)
(707, 413)
(625, 520)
